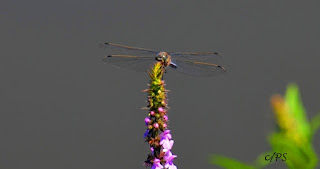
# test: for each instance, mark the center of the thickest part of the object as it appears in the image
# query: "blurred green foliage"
(293, 137)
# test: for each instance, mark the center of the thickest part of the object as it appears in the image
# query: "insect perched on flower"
(140, 59)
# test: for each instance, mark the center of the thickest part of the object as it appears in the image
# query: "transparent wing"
(112, 48)
(195, 53)
(137, 63)
(128, 57)
(196, 68)
(211, 57)
(198, 63)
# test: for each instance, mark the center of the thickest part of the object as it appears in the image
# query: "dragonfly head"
(164, 57)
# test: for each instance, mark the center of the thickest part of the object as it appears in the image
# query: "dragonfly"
(141, 59)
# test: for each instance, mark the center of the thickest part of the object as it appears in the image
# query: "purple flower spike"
(165, 135)
(156, 164)
(157, 123)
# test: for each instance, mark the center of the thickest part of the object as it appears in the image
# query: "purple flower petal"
(156, 164)
(166, 144)
(146, 134)
(169, 160)
(168, 156)
(170, 166)
(165, 135)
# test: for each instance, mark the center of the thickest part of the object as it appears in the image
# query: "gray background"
(63, 108)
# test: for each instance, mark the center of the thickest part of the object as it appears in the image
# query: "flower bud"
(165, 118)
(161, 109)
(164, 125)
(152, 113)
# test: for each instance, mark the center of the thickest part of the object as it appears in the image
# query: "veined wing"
(199, 63)
(198, 68)
(210, 57)
(137, 63)
(113, 48)
(194, 53)
(128, 57)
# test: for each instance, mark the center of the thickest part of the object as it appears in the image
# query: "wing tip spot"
(222, 68)
(105, 60)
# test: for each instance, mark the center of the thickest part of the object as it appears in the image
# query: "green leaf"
(297, 110)
(228, 163)
(315, 124)
(298, 156)
(261, 162)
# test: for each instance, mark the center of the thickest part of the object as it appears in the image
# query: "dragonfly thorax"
(164, 57)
